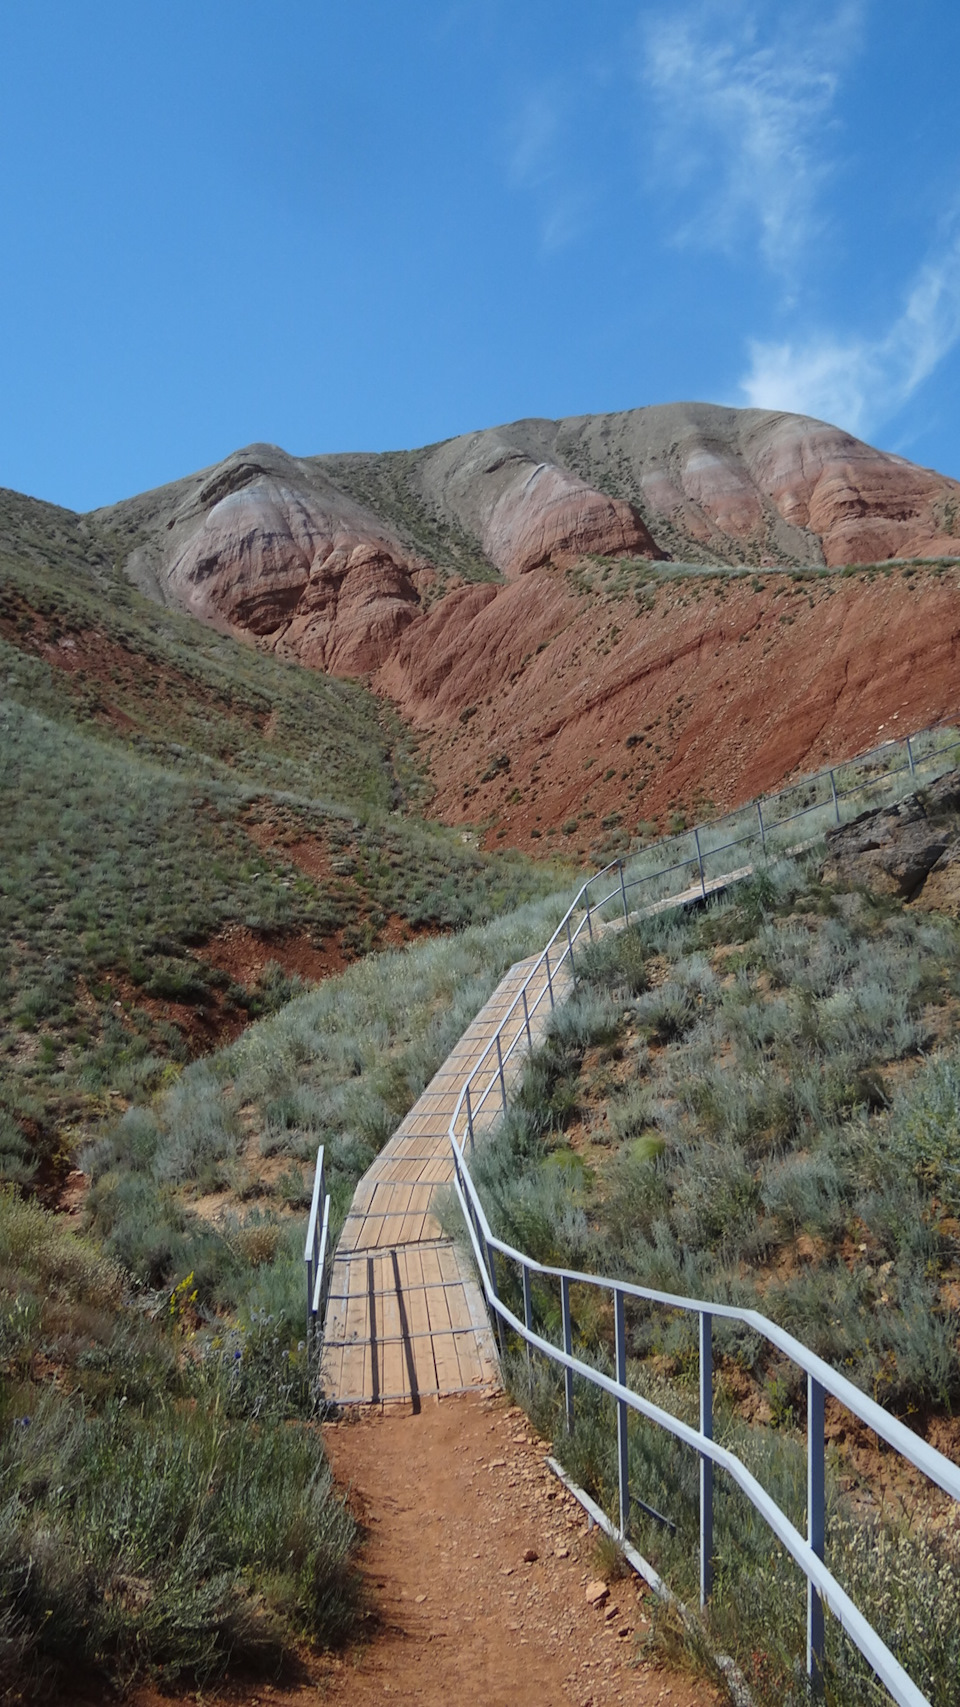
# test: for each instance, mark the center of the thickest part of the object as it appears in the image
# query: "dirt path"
(477, 1563)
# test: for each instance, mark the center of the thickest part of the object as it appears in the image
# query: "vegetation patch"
(165, 1506)
(164, 788)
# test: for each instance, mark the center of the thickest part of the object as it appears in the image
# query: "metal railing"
(808, 1551)
(317, 1251)
(872, 775)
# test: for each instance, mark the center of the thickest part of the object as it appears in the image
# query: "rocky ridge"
(910, 850)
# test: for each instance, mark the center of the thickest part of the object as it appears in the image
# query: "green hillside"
(165, 793)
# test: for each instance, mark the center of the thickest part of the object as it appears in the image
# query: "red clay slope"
(547, 707)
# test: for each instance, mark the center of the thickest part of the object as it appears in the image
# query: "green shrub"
(173, 1542)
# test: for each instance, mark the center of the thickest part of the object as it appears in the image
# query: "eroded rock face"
(863, 504)
(755, 485)
(320, 587)
(527, 510)
(896, 850)
(269, 549)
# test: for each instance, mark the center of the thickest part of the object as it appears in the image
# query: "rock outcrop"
(909, 850)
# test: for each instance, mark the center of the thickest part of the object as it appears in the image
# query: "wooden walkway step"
(405, 1316)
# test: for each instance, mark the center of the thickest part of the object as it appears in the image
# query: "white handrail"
(315, 1249)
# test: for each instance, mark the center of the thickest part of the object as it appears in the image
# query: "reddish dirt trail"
(452, 1501)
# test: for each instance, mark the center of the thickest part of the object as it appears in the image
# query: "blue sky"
(367, 225)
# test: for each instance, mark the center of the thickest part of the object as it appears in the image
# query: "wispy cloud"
(742, 97)
(858, 382)
(536, 163)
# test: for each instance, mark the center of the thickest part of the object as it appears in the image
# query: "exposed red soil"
(546, 706)
(455, 1501)
(883, 1481)
(309, 853)
(244, 954)
(203, 1028)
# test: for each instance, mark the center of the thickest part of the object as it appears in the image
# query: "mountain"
(329, 559)
(543, 597)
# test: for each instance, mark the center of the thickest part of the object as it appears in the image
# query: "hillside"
(551, 636)
(190, 829)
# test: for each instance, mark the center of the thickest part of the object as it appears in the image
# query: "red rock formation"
(303, 570)
(865, 505)
(546, 515)
(745, 484)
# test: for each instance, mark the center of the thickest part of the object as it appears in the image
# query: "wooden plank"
(393, 1370)
(444, 1343)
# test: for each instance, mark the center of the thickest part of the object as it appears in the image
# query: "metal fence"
(808, 1551)
(716, 856)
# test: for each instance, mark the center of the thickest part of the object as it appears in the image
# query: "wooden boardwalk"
(405, 1314)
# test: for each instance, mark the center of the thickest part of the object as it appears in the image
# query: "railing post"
(623, 891)
(503, 1082)
(469, 1116)
(527, 1311)
(526, 1017)
(836, 798)
(568, 1348)
(623, 1447)
(913, 768)
(706, 1464)
(703, 886)
(573, 969)
(589, 920)
(492, 1277)
(471, 1206)
(816, 1526)
(546, 962)
(763, 831)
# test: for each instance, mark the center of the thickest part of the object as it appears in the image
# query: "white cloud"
(859, 383)
(532, 139)
(742, 96)
(535, 163)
